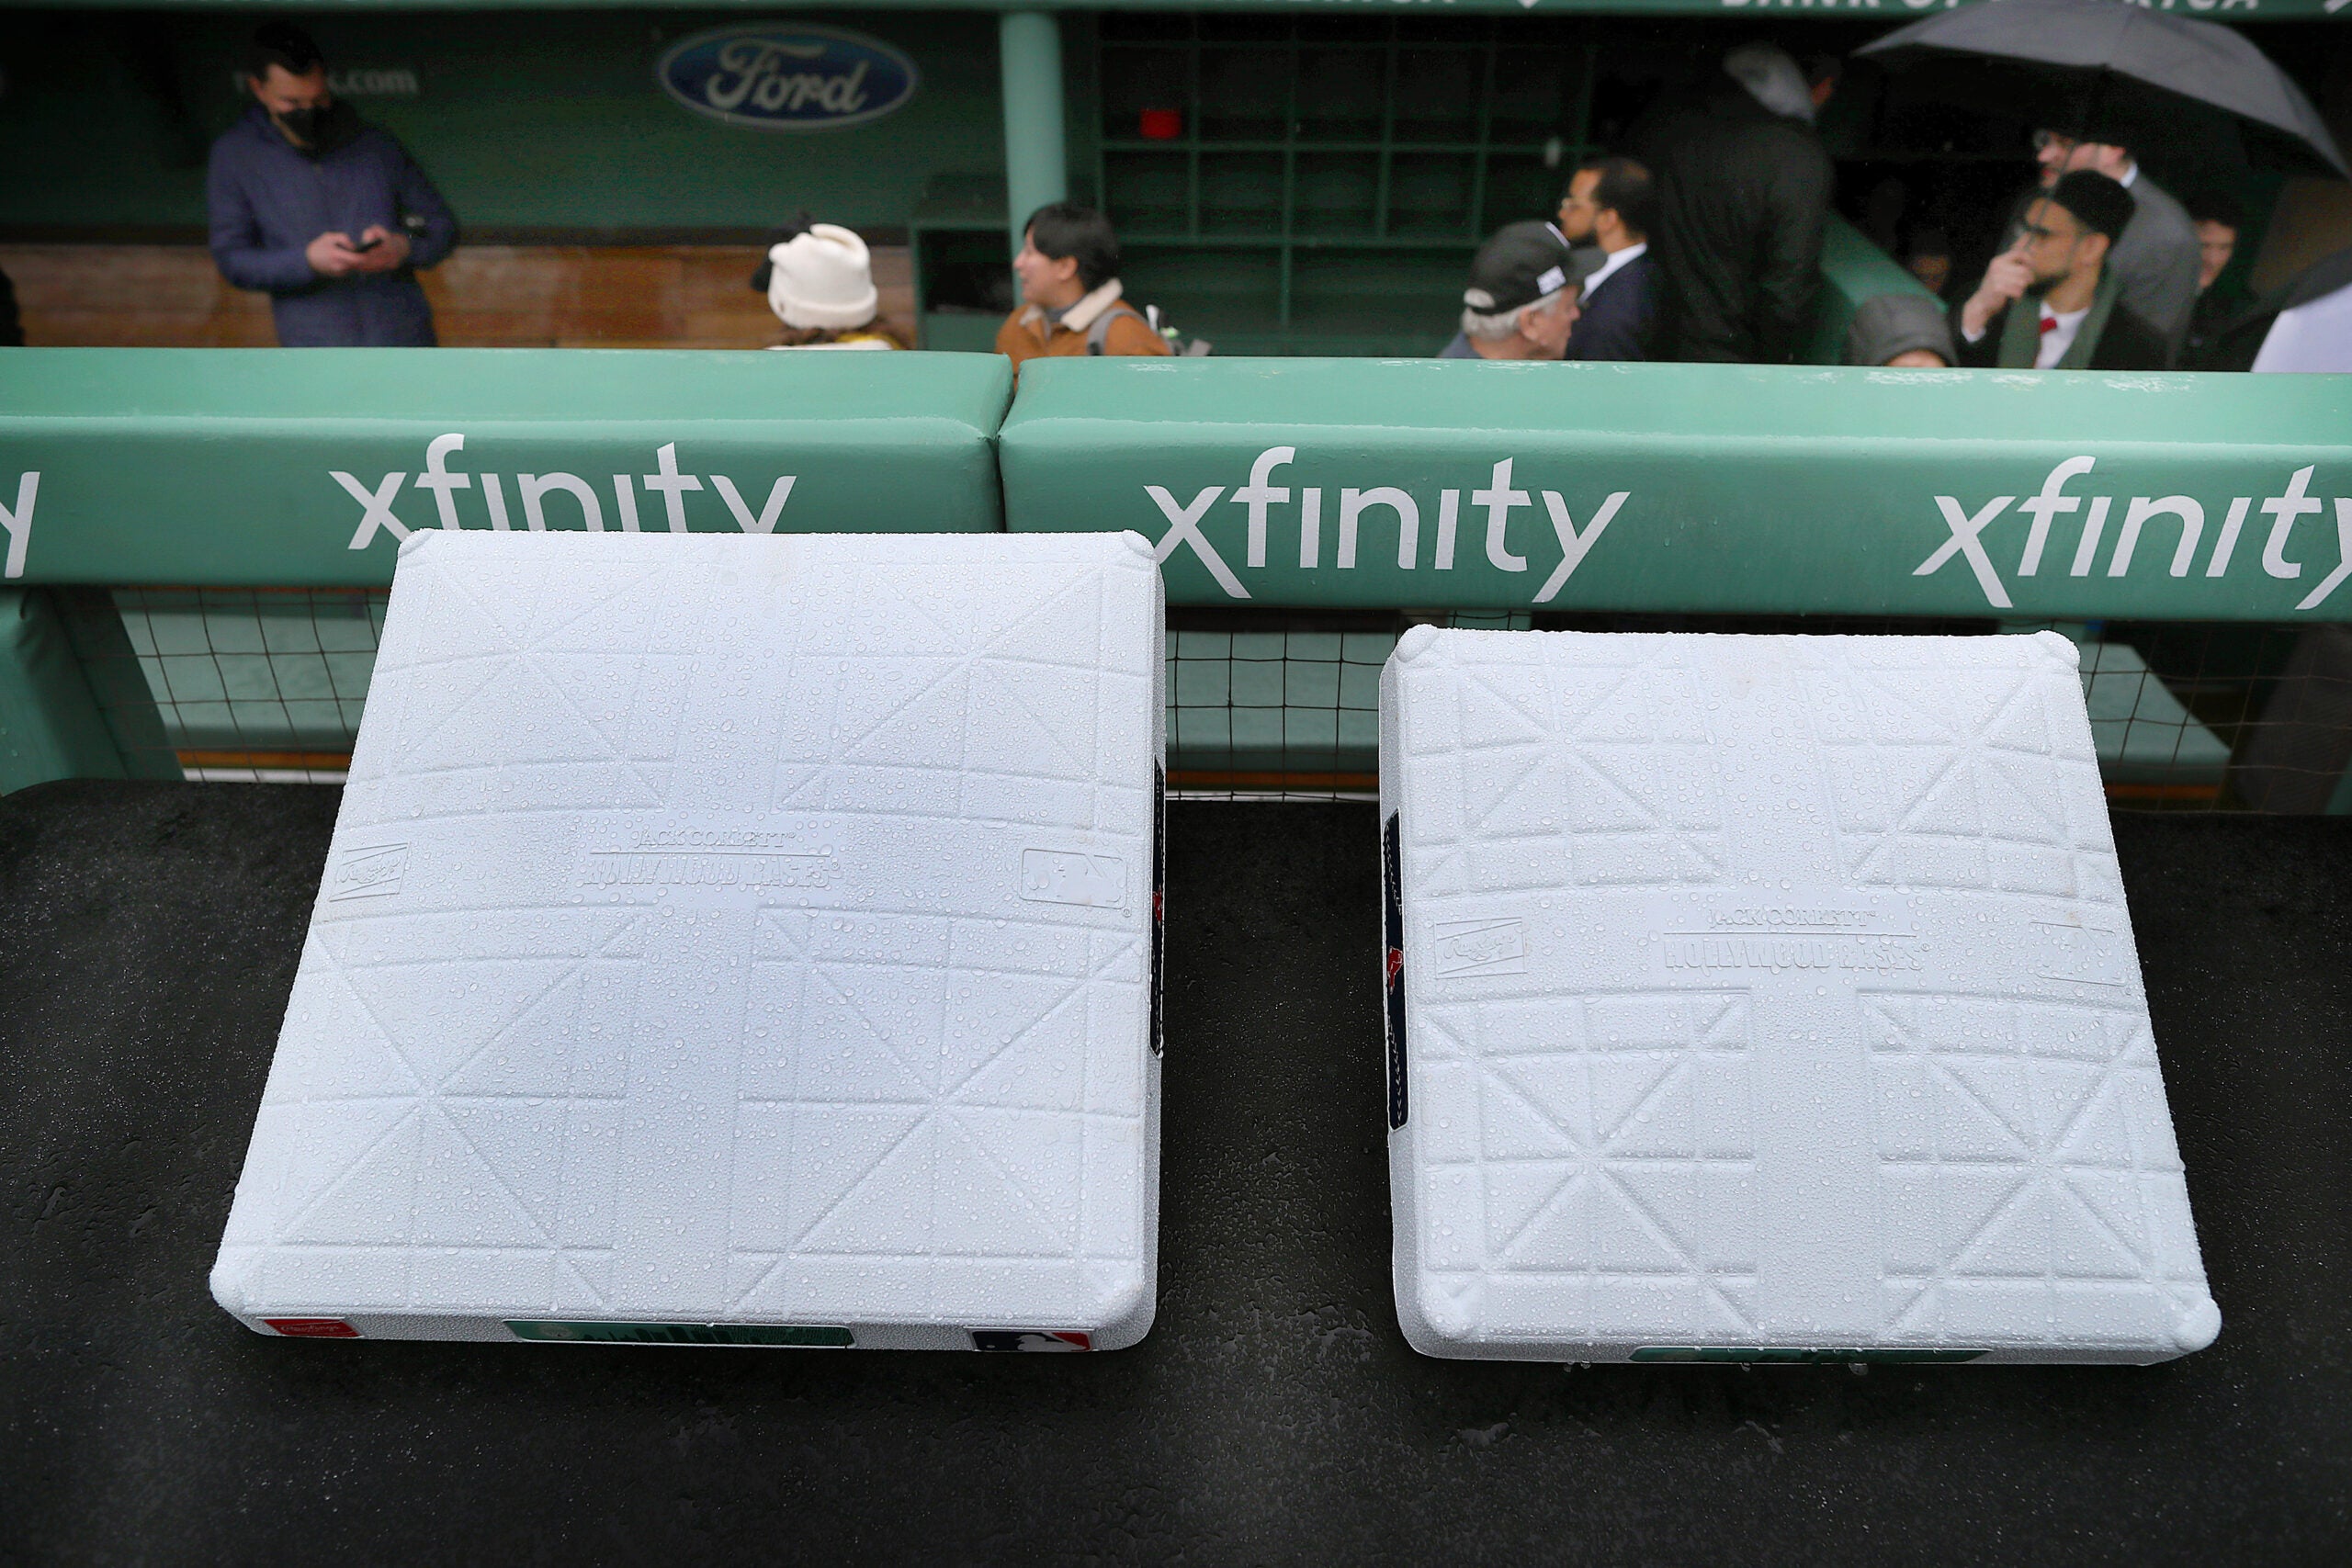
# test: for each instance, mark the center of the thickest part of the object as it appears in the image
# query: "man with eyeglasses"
(2050, 301)
(2156, 259)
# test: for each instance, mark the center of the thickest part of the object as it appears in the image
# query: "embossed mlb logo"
(1068, 876)
(371, 872)
(1480, 947)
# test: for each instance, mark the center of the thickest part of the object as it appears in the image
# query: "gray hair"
(1772, 79)
(1496, 326)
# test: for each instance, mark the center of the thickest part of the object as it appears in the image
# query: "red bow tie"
(2049, 323)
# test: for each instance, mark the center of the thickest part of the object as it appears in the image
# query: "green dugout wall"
(1271, 482)
(253, 466)
(1534, 487)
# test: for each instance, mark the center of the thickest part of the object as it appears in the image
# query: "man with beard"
(1608, 205)
(328, 215)
(2048, 301)
(2154, 260)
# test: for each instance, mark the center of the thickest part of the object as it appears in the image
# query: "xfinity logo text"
(2178, 520)
(1386, 507)
(534, 494)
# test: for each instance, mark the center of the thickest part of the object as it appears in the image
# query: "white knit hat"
(822, 278)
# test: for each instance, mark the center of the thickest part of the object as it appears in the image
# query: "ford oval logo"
(787, 76)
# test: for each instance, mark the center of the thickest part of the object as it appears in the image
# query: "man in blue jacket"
(327, 214)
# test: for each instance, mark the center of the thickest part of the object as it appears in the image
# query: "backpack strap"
(1098, 336)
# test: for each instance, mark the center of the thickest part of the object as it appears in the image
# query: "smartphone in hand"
(367, 244)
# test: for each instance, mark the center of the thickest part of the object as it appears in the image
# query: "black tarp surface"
(148, 936)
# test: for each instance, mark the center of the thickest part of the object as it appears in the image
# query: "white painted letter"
(20, 523)
(1449, 503)
(1965, 541)
(2087, 547)
(672, 485)
(533, 486)
(1572, 544)
(440, 480)
(378, 513)
(495, 493)
(2045, 505)
(2286, 508)
(778, 493)
(2344, 557)
(1257, 495)
(1310, 528)
(1184, 528)
(2228, 542)
(1498, 498)
(2192, 528)
(1352, 503)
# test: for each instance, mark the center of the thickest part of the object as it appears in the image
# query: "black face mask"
(320, 129)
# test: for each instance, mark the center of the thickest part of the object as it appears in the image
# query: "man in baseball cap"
(1522, 301)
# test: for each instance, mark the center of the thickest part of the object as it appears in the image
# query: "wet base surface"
(148, 936)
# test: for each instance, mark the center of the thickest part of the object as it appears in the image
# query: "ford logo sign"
(787, 76)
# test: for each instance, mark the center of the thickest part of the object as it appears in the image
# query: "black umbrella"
(2110, 70)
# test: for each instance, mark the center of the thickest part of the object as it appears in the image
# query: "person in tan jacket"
(1069, 267)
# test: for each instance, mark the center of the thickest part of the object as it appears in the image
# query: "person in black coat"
(1744, 189)
(2049, 302)
(1608, 204)
(2239, 340)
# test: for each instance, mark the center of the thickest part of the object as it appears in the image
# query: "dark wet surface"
(148, 935)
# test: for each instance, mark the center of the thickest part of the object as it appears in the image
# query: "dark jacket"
(2236, 341)
(1618, 317)
(2128, 344)
(1743, 194)
(268, 200)
(2216, 313)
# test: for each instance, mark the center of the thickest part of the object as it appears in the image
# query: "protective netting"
(262, 684)
(268, 685)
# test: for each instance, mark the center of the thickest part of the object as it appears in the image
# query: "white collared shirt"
(2060, 337)
(1625, 257)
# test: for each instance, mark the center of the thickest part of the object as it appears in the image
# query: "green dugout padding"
(269, 466)
(1466, 484)
(71, 702)
(1853, 270)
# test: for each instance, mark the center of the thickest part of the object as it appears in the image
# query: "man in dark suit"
(2049, 302)
(1609, 204)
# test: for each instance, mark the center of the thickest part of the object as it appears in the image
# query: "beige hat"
(822, 278)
